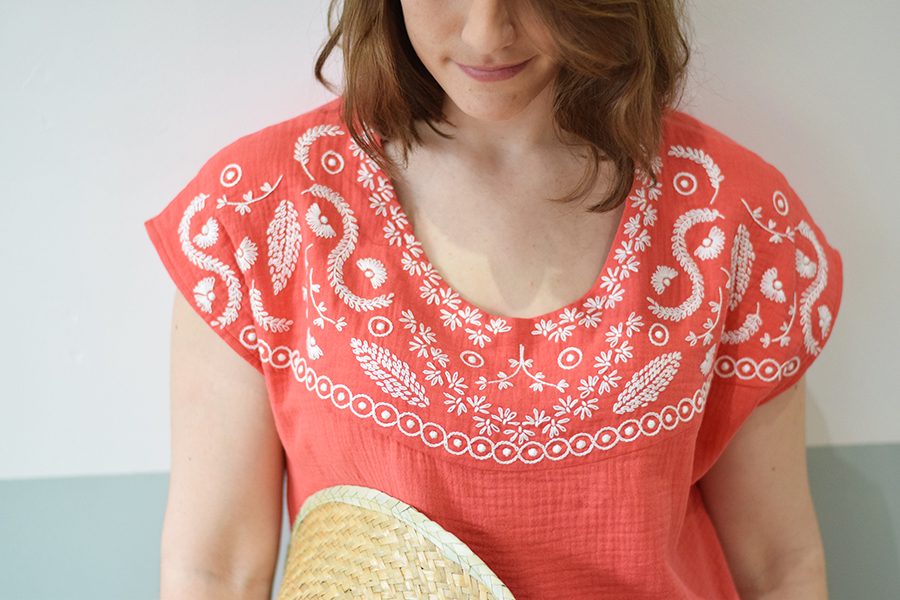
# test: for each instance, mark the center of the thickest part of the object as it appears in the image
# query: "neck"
(528, 132)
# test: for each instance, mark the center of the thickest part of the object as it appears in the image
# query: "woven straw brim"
(354, 542)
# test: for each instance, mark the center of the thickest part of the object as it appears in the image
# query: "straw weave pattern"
(354, 542)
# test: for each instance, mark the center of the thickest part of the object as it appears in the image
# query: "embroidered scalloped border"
(457, 443)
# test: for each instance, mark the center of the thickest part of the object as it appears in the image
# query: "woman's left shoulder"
(729, 174)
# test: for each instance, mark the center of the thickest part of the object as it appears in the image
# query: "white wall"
(108, 108)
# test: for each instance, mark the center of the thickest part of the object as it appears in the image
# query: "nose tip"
(489, 26)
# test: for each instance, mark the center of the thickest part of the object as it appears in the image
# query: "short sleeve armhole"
(199, 254)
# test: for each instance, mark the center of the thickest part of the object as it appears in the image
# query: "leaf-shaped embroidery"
(262, 317)
(746, 331)
(647, 384)
(301, 148)
(811, 294)
(390, 373)
(284, 244)
(742, 257)
(679, 250)
(705, 161)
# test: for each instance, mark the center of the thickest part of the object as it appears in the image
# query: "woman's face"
(491, 57)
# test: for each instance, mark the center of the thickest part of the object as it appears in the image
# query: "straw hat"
(354, 542)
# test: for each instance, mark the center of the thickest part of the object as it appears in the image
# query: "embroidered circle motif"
(789, 368)
(473, 359)
(781, 203)
(341, 396)
(569, 358)
(685, 184)
(659, 335)
(248, 338)
(380, 326)
(281, 357)
(332, 162)
(230, 175)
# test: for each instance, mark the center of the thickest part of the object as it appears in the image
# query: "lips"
(494, 72)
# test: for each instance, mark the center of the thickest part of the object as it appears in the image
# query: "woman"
(450, 286)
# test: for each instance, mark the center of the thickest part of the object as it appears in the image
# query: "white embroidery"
(783, 339)
(312, 349)
(262, 317)
(746, 331)
(284, 240)
(209, 234)
(709, 326)
(781, 203)
(246, 254)
(521, 365)
(679, 249)
(705, 161)
(390, 373)
(659, 334)
(777, 236)
(208, 263)
(772, 287)
(824, 320)
(662, 278)
(712, 245)
(301, 148)
(768, 370)
(204, 295)
(243, 207)
(332, 162)
(342, 252)
(742, 257)
(319, 222)
(374, 271)
(230, 176)
(806, 267)
(647, 384)
(811, 294)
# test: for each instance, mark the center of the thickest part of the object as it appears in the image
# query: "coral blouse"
(563, 449)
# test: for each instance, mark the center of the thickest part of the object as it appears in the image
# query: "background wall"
(108, 108)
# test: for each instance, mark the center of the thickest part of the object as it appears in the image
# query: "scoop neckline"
(593, 291)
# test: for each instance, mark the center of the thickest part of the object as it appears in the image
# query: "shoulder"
(726, 162)
(280, 142)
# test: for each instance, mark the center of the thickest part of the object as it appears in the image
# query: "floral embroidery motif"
(209, 234)
(771, 286)
(712, 245)
(204, 295)
(246, 254)
(208, 263)
(547, 403)
(811, 294)
(662, 278)
(243, 207)
(806, 268)
(679, 248)
(374, 271)
(342, 252)
(319, 222)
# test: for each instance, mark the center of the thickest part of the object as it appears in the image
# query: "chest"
(502, 244)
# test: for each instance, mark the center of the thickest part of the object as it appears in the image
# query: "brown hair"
(622, 65)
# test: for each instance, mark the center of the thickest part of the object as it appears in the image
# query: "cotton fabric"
(564, 449)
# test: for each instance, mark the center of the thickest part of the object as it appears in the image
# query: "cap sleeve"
(207, 252)
(784, 292)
